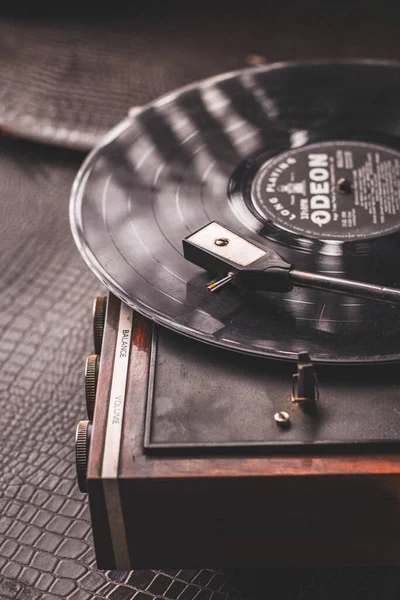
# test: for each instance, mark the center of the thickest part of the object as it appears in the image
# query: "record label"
(331, 190)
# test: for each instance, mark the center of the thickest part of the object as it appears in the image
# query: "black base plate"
(204, 399)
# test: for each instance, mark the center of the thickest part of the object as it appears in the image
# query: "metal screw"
(221, 242)
(282, 419)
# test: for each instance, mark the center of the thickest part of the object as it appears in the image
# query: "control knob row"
(84, 428)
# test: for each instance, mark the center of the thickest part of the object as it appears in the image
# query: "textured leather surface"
(68, 80)
(46, 294)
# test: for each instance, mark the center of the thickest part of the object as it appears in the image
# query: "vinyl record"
(302, 157)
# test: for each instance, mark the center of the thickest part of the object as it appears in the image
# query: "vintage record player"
(244, 402)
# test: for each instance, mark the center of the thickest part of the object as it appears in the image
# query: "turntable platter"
(236, 149)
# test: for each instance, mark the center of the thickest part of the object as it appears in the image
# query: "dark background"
(66, 76)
